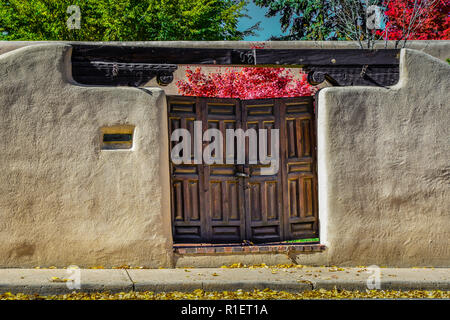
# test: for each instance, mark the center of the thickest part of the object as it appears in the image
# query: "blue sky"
(269, 26)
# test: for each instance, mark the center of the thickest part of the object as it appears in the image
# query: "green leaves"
(122, 20)
(304, 19)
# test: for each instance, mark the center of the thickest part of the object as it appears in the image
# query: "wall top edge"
(237, 44)
(437, 48)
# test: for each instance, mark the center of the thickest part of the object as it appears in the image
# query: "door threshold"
(275, 247)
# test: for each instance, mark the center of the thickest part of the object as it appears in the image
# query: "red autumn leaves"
(258, 83)
(245, 83)
(432, 25)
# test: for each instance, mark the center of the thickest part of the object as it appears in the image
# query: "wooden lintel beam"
(259, 57)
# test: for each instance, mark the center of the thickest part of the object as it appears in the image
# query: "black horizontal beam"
(136, 65)
(282, 57)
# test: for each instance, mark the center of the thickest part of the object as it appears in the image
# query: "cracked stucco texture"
(63, 200)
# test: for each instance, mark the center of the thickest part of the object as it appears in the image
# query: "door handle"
(242, 175)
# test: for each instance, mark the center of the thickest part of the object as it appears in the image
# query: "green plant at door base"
(304, 240)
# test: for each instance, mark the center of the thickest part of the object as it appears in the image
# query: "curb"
(52, 281)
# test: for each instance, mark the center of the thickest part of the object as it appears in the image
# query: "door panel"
(187, 201)
(262, 192)
(299, 170)
(224, 193)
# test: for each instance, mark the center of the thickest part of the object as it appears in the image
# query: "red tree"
(246, 83)
(434, 24)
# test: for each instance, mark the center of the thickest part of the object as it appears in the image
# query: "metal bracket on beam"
(353, 75)
(317, 77)
(130, 74)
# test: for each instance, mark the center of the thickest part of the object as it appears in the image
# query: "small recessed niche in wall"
(117, 137)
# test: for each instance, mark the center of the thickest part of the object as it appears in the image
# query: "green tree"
(303, 19)
(123, 20)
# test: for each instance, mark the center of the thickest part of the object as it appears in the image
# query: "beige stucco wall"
(383, 169)
(63, 200)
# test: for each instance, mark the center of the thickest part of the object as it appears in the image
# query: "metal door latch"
(241, 174)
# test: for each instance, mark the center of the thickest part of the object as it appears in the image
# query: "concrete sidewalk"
(54, 281)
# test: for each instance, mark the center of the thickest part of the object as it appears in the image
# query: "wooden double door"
(229, 203)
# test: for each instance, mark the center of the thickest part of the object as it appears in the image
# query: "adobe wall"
(384, 168)
(64, 200)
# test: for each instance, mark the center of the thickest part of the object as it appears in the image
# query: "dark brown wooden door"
(229, 203)
(187, 180)
(263, 192)
(223, 189)
(299, 173)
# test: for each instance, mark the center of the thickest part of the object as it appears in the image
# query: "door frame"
(283, 175)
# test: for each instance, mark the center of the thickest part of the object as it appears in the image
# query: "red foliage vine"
(436, 26)
(245, 83)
